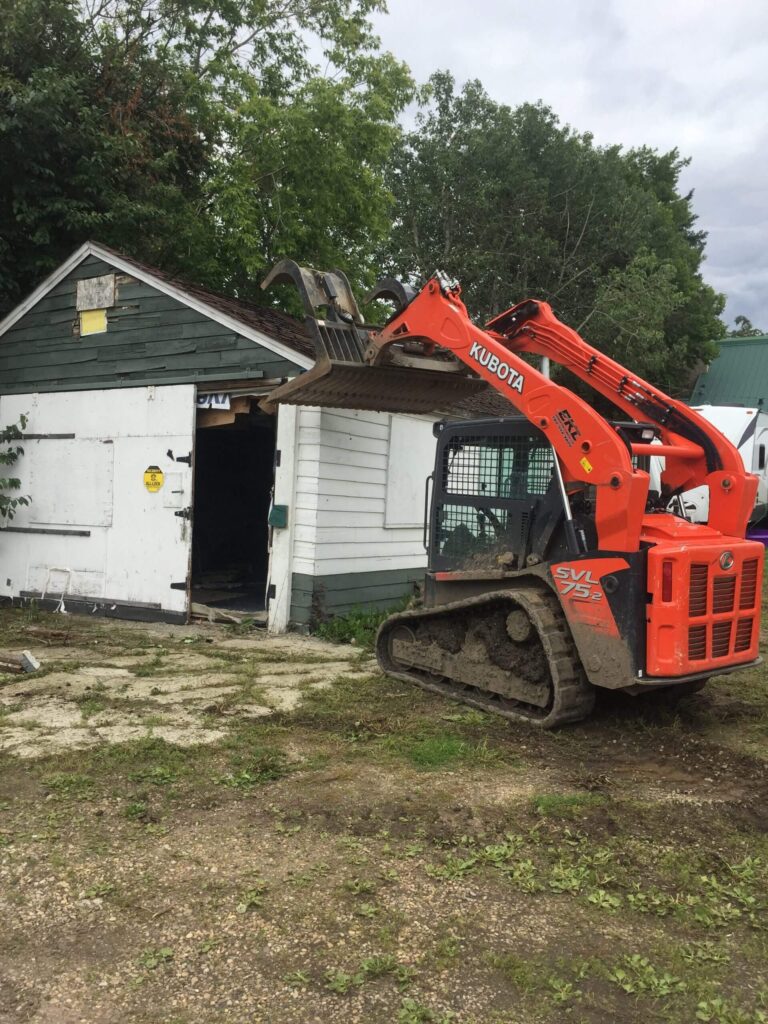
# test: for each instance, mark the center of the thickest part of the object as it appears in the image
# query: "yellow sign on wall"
(93, 321)
(153, 478)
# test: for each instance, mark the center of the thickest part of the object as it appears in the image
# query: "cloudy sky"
(686, 73)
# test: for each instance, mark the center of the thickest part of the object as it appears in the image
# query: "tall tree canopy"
(203, 137)
(214, 138)
(744, 328)
(517, 205)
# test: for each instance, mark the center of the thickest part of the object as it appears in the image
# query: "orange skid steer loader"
(552, 569)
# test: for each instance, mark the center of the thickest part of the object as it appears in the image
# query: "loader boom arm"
(588, 448)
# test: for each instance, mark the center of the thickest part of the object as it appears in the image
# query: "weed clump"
(566, 805)
(262, 767)
(358, 627)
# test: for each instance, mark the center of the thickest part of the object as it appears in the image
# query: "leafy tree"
(96, 141)
(305, 179)
(517, 205)
(10, 452)
(743, 328)
(202, 138)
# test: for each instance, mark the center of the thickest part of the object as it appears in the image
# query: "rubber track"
(573, 697)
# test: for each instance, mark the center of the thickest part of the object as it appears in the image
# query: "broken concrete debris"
(24, 662)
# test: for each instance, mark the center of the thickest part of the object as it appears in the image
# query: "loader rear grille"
(723, 594)
(697, 643)
(721, 638)
(743, 635)
(697, 593)
(712, 597)
(748, 590)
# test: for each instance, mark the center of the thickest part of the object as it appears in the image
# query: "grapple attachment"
(348, 372)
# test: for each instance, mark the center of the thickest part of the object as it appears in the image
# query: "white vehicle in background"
(747, 429)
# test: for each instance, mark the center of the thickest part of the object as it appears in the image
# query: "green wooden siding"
(151, 338)
(316, 597)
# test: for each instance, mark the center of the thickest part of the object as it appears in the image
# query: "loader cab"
(496, 502)
(492, 481)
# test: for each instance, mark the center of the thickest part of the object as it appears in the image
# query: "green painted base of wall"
(314, 598)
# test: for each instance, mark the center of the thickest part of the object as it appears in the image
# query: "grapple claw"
(343, 376)
(329, 290)
(389, 288)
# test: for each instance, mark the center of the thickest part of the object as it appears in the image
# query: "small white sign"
(217, 401)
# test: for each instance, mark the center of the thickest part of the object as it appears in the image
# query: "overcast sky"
(664, 73)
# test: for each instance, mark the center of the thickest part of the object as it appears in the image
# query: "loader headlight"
(726, 560)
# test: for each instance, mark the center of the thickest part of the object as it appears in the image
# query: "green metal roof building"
(739, 375)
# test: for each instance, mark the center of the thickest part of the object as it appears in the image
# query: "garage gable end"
(152, 331)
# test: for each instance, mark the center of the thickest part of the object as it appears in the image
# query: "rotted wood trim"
(99, 607)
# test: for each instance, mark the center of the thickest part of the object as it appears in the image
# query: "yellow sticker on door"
(153, 479)
(586, 465)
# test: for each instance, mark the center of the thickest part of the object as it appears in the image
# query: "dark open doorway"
(234, 472)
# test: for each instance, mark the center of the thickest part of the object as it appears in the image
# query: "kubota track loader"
(552, 570)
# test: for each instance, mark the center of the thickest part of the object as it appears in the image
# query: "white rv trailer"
(747, 429)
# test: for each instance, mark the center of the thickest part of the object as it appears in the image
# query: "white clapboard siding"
(311, 485)
(343, 483)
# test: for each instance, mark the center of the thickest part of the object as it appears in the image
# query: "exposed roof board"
(738, 376)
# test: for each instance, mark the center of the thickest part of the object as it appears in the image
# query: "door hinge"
(184, 513)
(180, 586)
(185, 458)
(277, 457)
(271, 592)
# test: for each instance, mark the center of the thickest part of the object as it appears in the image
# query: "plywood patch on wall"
(86, 499)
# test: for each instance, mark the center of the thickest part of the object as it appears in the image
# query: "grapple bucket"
(342, 378)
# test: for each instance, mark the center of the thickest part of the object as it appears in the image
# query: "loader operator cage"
(490, 478)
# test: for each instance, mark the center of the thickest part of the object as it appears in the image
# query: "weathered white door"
(110, 477)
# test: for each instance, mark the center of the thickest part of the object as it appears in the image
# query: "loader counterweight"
(707, 614)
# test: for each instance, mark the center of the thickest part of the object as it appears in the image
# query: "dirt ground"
(200, 824)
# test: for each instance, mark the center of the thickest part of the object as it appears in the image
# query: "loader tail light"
(666, 580)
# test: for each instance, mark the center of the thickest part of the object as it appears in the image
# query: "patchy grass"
(74, 785)
(379, 855)
(442, 750)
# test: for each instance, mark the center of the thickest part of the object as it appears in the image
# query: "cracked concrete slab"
(167, 690)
